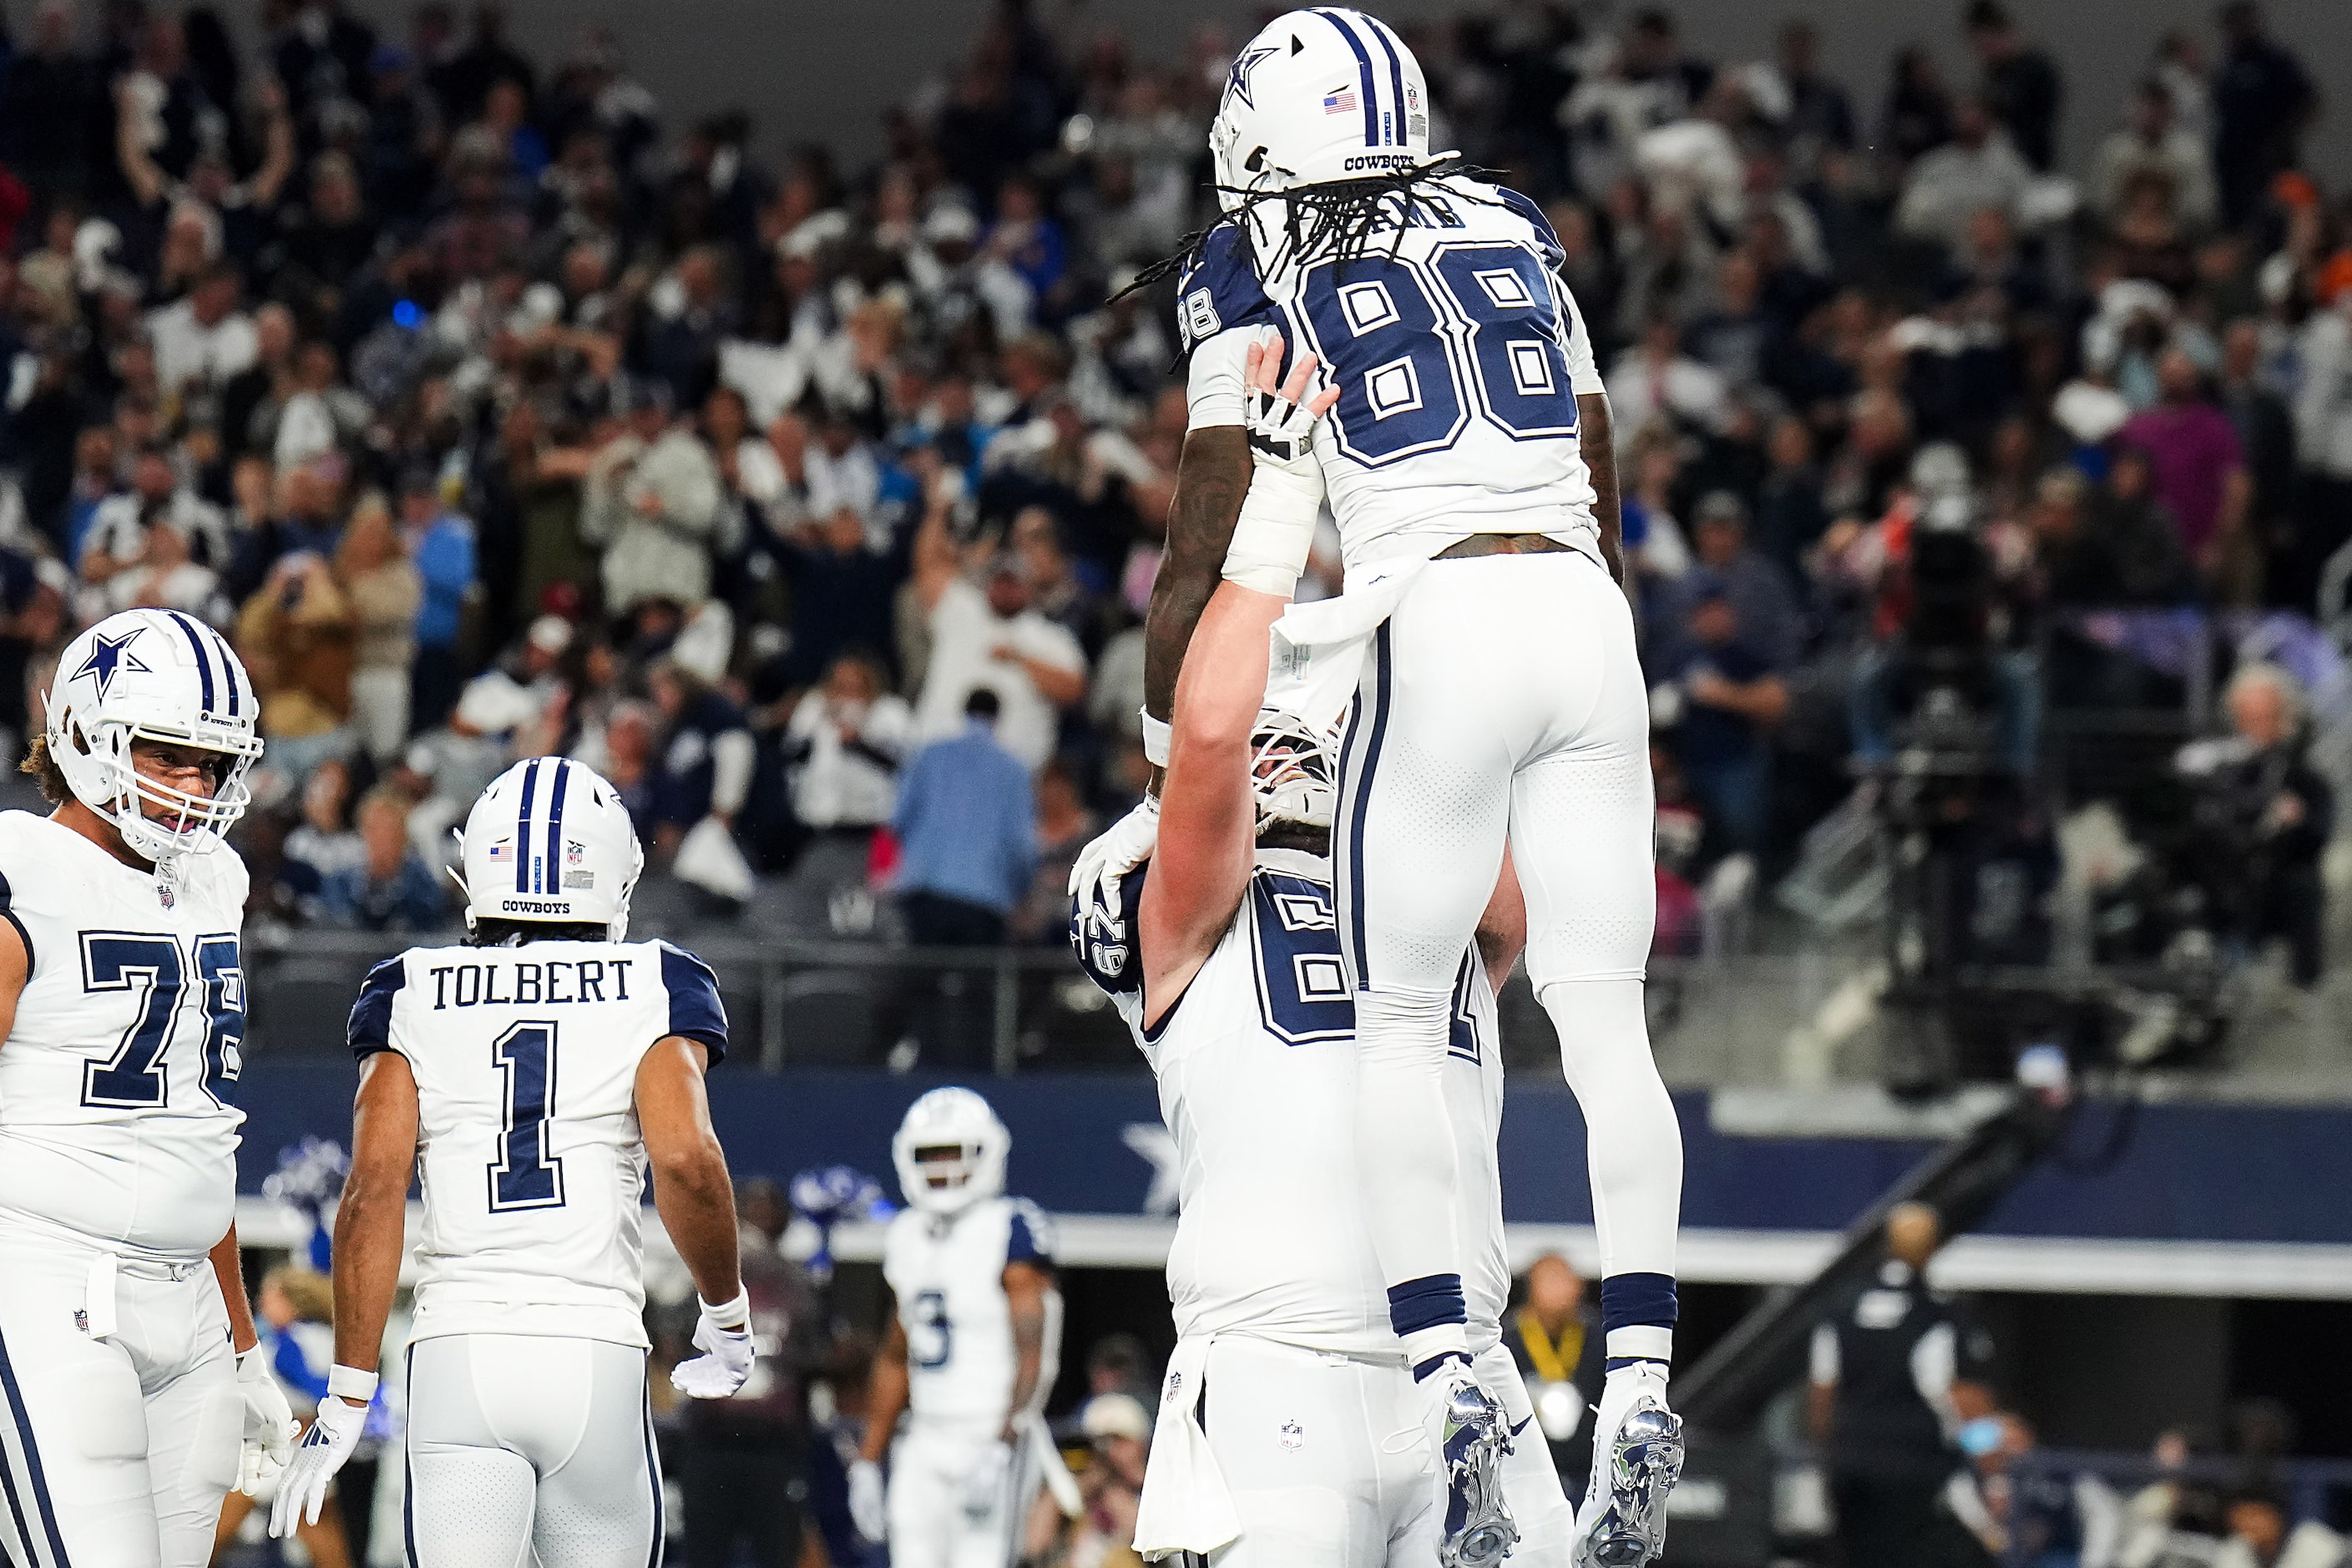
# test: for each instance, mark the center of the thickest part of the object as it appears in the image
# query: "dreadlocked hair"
(1334, 220)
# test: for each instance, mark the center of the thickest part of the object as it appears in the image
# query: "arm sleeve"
(732, 756)
(1823, 1365)
(371, 1025)
(695, 1008)
(1213, 390)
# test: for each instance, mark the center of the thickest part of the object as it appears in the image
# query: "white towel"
(1185, 1506)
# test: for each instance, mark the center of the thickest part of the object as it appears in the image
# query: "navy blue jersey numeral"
(525, 1177)
(1388, 328)
(222, 971)
(1302, 990)
(1462, 1028)
(930, 1336)
(132, 1077)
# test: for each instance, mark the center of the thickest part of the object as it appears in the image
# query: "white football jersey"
(528, 1154)
(1459, 353)
(1257, 1065)
(116, 1083)
(947, 1274)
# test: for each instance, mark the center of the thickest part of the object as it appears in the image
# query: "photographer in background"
(2261, 819)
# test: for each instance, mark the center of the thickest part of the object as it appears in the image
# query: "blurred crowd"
(493, 414)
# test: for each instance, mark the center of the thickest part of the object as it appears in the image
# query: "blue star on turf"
(110, 656)
(1238, 83)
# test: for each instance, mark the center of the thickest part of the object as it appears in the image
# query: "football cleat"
(1473, 1437)
(1624, 1525)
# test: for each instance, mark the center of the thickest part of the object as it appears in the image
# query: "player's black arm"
(1026, 1288)
(886, 1391)
(372, 1219)
(691, 1188)
(1211, 478)
(1596, 441)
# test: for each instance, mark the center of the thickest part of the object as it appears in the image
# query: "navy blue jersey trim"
(696, 1010)
(371, 1024)
(1364, 72)
(1359, 803)
(8, 912)
(652, 1472)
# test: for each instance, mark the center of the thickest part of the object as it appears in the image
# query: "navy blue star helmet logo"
(1238, 83)
(108, 657)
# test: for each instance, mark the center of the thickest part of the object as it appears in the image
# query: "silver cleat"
(1478, 1531)
(1627, 1528)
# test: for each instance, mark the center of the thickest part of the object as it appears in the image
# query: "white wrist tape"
(1156, 737)
(731, 1315)
(351, 1382)
(1274, 531)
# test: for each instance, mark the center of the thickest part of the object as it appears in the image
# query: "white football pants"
(1325, 1458)
(114, 1451)
(932, 1521)
(1502, 702)
(530, 1450)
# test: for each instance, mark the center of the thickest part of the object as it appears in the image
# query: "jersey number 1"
(525, 1177)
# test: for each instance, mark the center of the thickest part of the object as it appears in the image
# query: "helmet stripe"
(1388, 41)
(523, 829)
(229, 667)
(1364, 71)
(203, 660)
(555, 828)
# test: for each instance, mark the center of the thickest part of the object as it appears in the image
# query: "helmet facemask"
(1293, 777)
(158, 821)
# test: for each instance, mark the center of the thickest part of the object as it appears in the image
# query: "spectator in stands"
(391, 888)
(2323, 429)
(2199, 473)
(1118, 1430)
(2153, 144)
(1758, 594)
(991, 639)
(1728, 694)
(324, 844)
(204, 338)
(653, 503)
(2263, 101)
(707, 759)
(2260, 1537)
(1894, 1371)
(966, 821)
(386, 592)
(118, 525)
(297, 637)
(843, 745)
(1978, 168)
(1555, 1338)
(2265, 816)
(2265, 428)
(1064, 826)
(441, 543)
(2021, 87)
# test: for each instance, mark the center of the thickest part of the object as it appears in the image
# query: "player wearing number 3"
(530, 1077)
(127, 1379)
(1467, 463)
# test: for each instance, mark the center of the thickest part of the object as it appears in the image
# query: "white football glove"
(268, 1427)
(1277, 527)
(983, 1484)
(867, 1509)
(724, 1335)
(1116, 850)
(303, 1490)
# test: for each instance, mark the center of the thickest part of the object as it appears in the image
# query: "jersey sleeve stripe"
(8, 912)
(552, 877)
(1022, 1242)
(1364, 72)
(371, 1025)
(696, 1011)
(203, 657)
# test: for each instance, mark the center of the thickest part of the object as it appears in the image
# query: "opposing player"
(1501, 699)
(971, 1353)
(128, 1375)
(532, 1076)
(1222, 955)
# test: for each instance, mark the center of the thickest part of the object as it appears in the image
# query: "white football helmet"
(1320, 95)
(160, 675)
(949, 1152)
(550, 840)
(1293, 770)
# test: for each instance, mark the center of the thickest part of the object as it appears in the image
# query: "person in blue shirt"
(1731, 696)
(441, 543)
(967, 825)
(392, 888)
